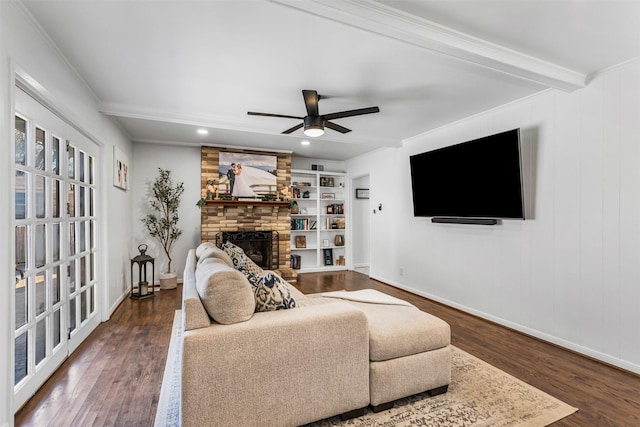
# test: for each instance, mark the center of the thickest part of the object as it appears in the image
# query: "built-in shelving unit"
(319, 229)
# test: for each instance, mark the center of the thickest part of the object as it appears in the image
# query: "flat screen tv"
(475, 179)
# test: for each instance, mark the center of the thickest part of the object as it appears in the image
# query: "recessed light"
(203, 131)
(305, 142)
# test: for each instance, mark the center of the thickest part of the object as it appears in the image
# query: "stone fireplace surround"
(235, 216)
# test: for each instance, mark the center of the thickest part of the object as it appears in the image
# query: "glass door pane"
(40, 161)
(21, 141)
(54, 298)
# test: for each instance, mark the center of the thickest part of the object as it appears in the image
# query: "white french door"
(55, 221)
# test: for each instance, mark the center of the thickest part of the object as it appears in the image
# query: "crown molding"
(387, 21)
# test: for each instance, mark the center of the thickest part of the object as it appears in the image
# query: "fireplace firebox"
(263, 247)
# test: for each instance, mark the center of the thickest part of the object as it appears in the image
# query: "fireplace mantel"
(247, 203)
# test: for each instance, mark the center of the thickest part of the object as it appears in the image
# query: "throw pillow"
(271, 292)
(226, 294)
(215, 252)
(203, 247)
(240, 260)
(236, 254)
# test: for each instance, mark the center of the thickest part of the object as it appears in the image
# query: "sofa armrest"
(194, 315)
(288, 367)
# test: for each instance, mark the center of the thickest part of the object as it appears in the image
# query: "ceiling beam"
(387, 21)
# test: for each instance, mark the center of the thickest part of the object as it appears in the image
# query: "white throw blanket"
(370, 296)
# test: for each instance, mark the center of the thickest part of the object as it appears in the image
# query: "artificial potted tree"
(162, 224)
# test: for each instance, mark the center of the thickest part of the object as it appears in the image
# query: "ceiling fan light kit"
(313, 126)
(314, 123)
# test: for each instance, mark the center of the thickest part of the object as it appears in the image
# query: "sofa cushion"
(202, 247)
(398, 331)
(215, 252)
(240, 259)
(225, 292)
(271, 292)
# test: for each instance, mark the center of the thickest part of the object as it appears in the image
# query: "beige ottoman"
(409, 352)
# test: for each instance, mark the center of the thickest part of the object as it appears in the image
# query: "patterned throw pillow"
(272, 292)
(240, 260)
(236, 254)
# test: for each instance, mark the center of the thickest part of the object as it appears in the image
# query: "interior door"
(54, 299)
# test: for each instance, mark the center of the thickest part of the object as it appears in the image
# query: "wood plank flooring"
(114, 378)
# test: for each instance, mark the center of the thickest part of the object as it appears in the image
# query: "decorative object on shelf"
(362, 193)
(141, 260)
(336, 209)
(301, 242)
(315, 167)
(162, 224)
(326, 181)
(294, 207)
(329, 196)
(325, 242)
(340, 223)
(328, 256)
(339, 240)
(306, 195)
(212, 189)
(285, 192)
(340, 260)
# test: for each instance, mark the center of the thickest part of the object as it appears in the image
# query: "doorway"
(55, 298)
(361, 225)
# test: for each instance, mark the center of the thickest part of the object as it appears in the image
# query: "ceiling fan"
(313, 122)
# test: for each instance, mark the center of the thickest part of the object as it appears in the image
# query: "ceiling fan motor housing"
(313, 122)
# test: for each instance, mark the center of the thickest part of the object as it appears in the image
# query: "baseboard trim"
(567, 345)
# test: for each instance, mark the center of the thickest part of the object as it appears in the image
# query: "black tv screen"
(475, 179)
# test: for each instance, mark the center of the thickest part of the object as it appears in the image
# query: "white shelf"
(311, 257)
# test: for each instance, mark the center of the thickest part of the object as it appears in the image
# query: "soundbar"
(453, 220)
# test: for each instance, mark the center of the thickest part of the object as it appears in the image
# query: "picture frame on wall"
(120, 169)
(362, 193)
(247, 175)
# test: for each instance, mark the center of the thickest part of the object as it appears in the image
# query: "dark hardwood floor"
(114, 378)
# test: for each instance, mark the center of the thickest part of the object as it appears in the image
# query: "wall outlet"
(401, 271)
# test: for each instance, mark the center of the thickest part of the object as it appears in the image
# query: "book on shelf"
(302, 224)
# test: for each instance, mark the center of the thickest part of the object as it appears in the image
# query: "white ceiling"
(165, 68)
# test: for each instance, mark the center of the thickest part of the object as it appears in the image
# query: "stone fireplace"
(241, 216)
(261, 246)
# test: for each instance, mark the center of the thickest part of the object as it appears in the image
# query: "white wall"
(360, 224)
(23, 46)
(184, 164)
(571, 274)
(304, 163)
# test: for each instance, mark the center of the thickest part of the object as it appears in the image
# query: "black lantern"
(144, 290)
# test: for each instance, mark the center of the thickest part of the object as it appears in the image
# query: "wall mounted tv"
(475, 179)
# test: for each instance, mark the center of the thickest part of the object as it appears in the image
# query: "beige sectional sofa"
(289, 367)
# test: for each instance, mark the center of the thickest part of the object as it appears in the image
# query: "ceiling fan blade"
(336, 127)
(349, 113)
(252, 113)
(311, 101)
(293, 129)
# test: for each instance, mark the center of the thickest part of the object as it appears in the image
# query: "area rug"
(479, 395)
